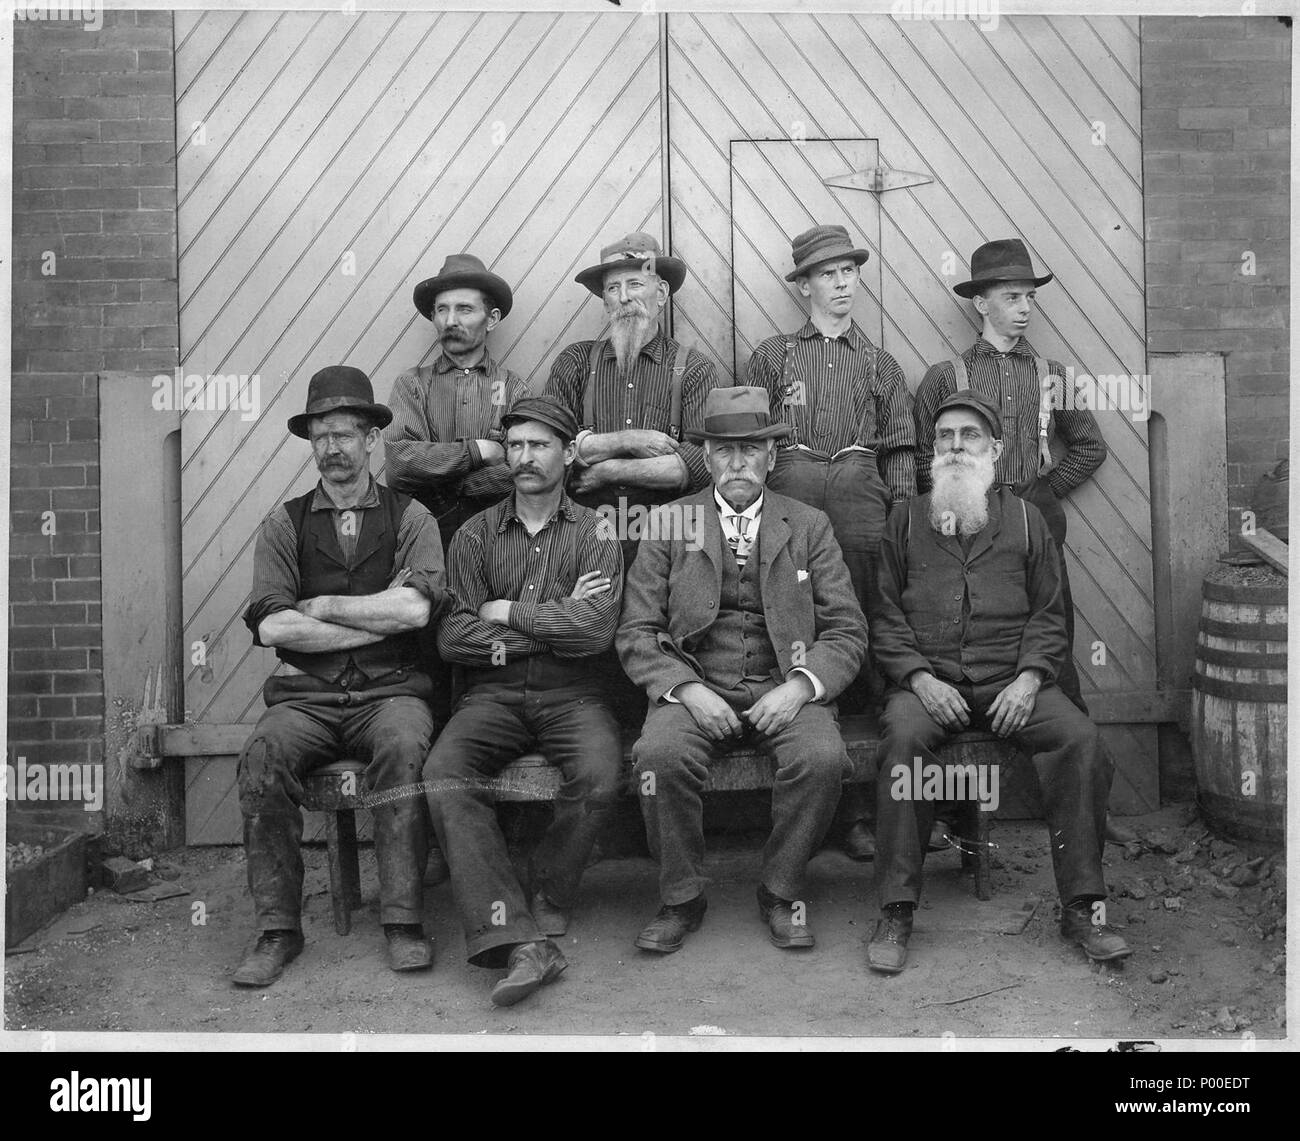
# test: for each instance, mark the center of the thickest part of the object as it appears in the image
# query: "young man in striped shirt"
(536, 590)
(1005, 368)
(853, 449)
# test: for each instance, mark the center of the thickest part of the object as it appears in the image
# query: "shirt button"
(630, 384)
(530, 586)
(627, 421)
(537, 550)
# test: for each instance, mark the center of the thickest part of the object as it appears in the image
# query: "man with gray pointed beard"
(969, 628)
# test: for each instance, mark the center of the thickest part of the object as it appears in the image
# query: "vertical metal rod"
(665, 158)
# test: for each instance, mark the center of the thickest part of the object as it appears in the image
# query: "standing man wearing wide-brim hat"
(1027, 390)
(741, 624)
(343, 579)
(444, 446)
(851, 452)
(635, 392)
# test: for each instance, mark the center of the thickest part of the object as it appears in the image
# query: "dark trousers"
(672, 762)
(1074, 775)
(494, 724)
(309, 723)
(1040, 494)
(856, 500)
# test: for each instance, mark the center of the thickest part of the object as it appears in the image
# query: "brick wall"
(94, 288)
(1216, 114)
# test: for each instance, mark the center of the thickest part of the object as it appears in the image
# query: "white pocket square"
(801, 575)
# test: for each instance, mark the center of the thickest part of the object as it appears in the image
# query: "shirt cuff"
(475, 456)
(668, 697)
(819, 690)
(578, 461)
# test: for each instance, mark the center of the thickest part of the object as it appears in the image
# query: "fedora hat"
(1003, 260)
(631, 249)
(739, 413)
(337, 388)
(821, 244)
(462, 271)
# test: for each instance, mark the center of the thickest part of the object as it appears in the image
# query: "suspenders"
(1045, 389)
(788, 389)
(676, 379)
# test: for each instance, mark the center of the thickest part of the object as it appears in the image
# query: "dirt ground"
(1205, 918)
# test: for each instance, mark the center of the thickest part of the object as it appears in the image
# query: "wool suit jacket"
(674, 590)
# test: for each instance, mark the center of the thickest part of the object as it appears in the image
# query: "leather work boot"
(1099, 941)
(666, 932)
(887, 950)
(408, 949)
(266, 961)
(859, 843)
(530, 966)
(550, 920)
(779, 915)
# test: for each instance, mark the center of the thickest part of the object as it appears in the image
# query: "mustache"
(630, 310)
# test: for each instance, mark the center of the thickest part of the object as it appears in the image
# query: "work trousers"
(1074, 775)
(309, 723)
(857, 502)
(672, 760)
(567, 720)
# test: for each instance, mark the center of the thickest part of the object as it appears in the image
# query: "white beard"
(959, 501)
(628, 333)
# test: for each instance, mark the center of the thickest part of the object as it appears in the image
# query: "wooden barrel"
(1239, 705)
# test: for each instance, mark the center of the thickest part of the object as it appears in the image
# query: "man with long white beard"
(635, 392)
(969, 629)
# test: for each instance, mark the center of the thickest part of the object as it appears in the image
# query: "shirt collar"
(1021, 348)
(321, 500)
(566, 507)
(752, 512)
(444, 364)
(854, 337)
(654, 348)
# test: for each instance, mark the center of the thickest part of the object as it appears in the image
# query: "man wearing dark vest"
(741, 624)
(635, 393)
(969, 627)
(343, 577)
(536, 591)
(444, 445)
(1005, 368)
(851, 451)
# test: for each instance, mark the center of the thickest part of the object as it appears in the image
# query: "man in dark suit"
(741, 624)
(969, 628)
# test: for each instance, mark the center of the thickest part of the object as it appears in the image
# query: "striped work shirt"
(493, 556)
(439, 412)
(1010, 381)
(846, 392)
(641, 400)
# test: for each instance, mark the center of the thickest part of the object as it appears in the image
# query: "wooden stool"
(334, 789)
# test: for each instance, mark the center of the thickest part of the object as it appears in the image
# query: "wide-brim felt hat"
(980, 405)
(339, 388)
(633, 249)
(742, 412)
(1003, 260)
(462, 271)
(822, 244)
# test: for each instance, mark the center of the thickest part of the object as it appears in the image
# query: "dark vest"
(322, 569)
(737, 646)
(982, 644)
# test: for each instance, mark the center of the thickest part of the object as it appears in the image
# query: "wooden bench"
(331, 789)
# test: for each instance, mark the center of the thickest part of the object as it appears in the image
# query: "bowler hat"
(631, 250)
(338, 388)
(822, 244)
(739, 413)
(463, 271)
(546, 409)
(1003, 260)
(980, 405)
